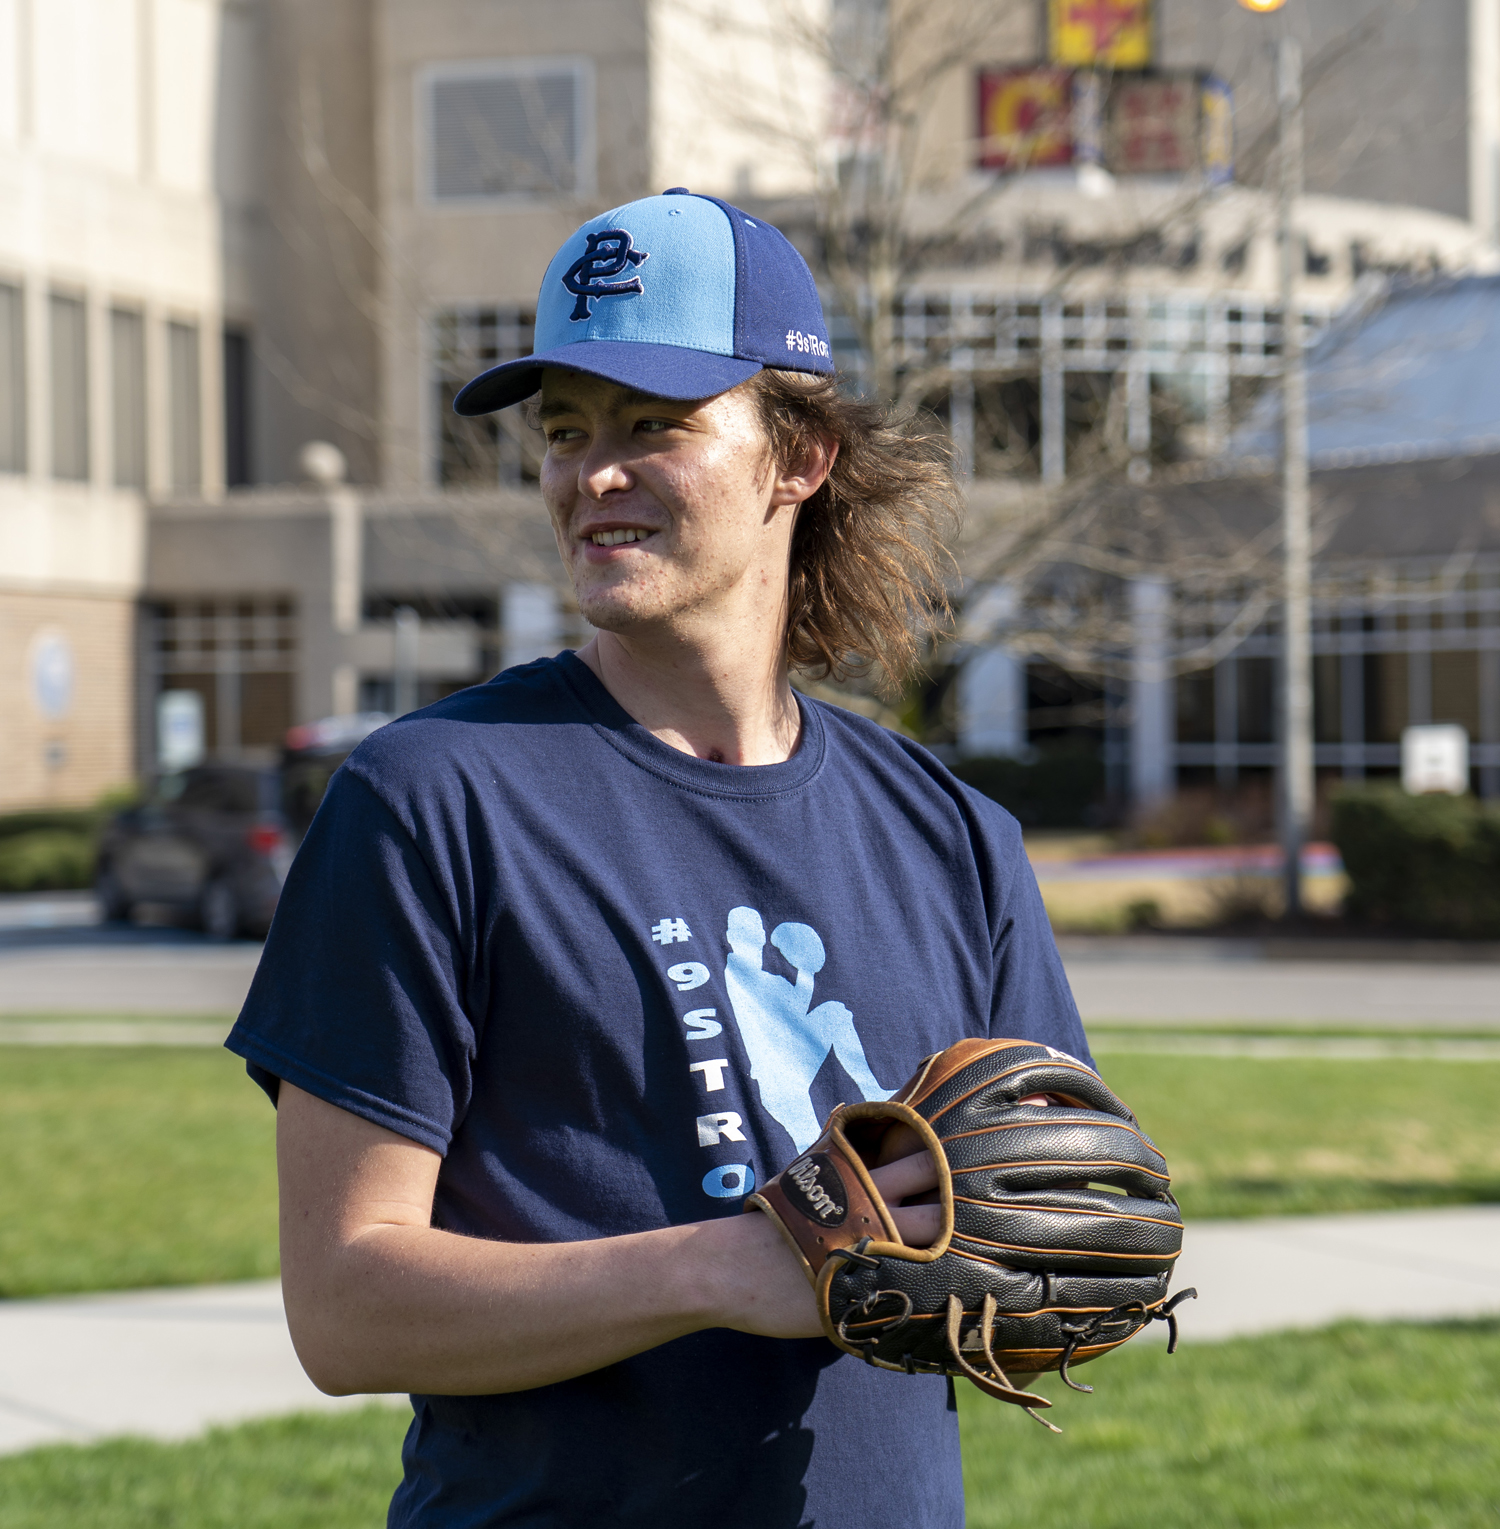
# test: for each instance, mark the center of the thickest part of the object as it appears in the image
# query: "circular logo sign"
(51, 667)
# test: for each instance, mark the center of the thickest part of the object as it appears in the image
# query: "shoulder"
(512, 730)
(912, 771)
(490, 720)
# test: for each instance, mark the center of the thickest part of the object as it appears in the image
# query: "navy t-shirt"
(617, 987)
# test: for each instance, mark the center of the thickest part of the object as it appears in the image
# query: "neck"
(710, 699)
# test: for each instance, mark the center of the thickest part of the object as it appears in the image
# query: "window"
(518, 128)
(12, 380)
(127, 361)
(186, 415)
(69, 344)
(236, 408)
(495, 448)
(240, 655)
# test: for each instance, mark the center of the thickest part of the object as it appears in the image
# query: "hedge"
(51, 849)
(1426, 863)
(46, 860)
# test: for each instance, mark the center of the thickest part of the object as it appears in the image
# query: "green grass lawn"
(130, 1167)
(318, 1471)
(155, 1166)
(1356, 1427)
(1247, 1137)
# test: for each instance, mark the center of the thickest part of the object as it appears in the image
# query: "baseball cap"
(679, 295)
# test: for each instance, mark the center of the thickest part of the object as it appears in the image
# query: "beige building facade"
(111, 295)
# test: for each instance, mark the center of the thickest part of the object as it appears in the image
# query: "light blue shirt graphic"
(786, 1039)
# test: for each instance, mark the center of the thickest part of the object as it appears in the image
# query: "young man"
(571, 960)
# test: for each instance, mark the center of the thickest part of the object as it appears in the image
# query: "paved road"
(1386, 994)
(56, 959)
(169, 1363)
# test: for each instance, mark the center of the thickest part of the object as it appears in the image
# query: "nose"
(602, 470)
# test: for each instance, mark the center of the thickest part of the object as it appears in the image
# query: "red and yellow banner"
(1025, 118)
(1114, 34)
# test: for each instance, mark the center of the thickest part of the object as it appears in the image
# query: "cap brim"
(664, 371)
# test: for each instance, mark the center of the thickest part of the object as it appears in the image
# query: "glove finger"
(1055, 1147)
(1138, 1237)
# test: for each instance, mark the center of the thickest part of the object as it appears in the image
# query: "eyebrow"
(628, 397)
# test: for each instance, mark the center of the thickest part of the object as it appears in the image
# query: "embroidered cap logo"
(611, 253)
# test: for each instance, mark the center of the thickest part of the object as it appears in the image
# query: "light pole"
(1297, 776)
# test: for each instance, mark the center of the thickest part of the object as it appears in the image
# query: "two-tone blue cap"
(678, 295)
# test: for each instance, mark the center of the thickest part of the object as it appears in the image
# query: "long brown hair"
(869, 560)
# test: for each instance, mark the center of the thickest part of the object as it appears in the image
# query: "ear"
(800, 480)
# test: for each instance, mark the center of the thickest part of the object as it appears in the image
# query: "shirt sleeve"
(358, 997)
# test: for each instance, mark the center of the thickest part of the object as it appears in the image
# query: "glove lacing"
(1081, 1333)
(993, 1380)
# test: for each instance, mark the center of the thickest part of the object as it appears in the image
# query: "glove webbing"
(1084, 1332)
(996, 1383)
(993, 1381)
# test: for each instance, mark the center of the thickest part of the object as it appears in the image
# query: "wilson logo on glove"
(1059, 1230)
(814, 1185)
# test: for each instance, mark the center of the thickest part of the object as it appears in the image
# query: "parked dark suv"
(212, 844)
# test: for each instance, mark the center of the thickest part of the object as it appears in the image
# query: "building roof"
(1412, 374)
(1444, 507)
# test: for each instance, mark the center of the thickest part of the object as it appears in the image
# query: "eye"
(557, 434)
(654, 426)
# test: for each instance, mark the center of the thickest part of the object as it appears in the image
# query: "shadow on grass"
(1326, 1196)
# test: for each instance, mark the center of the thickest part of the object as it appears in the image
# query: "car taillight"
(264, 838)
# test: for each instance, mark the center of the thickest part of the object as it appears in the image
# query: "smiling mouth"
(618, 538)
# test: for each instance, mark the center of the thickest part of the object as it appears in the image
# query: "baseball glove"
(1058, 1234)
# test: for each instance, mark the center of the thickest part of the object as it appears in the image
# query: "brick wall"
(67, 692)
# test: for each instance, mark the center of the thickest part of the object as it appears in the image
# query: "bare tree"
(887, 213)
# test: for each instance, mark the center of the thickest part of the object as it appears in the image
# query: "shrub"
(82, 820)
(46, 860)
(1430, 863)
(1061, 788)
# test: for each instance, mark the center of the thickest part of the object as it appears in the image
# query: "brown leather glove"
(1058, 1236)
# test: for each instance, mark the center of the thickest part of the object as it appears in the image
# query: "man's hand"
(378, 1299)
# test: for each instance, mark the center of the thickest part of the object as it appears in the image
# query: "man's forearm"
(405, 1308)
(378, 1299)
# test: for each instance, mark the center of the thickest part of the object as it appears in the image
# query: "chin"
(605, 611)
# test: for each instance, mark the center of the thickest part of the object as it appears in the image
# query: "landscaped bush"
(82, 820)
(1429, 863)
(46, 860)
(1058, 789)
(51, 849)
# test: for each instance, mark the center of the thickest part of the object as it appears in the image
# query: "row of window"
(1359, 698)
(68, 365)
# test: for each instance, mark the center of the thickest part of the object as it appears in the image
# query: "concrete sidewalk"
(170, 1363)
(165, 1363)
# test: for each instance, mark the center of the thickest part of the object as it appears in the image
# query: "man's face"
(665, 513)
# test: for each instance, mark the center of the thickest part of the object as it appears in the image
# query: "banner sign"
(1216, 133)
(1172, 122)
(1109, 34)
(1025, 118)
(1151, 125)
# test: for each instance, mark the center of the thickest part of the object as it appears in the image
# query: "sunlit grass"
(155, 1166)
(1247, 1136)
(1356, 1427)
(132, 1167)
(317, 1471)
